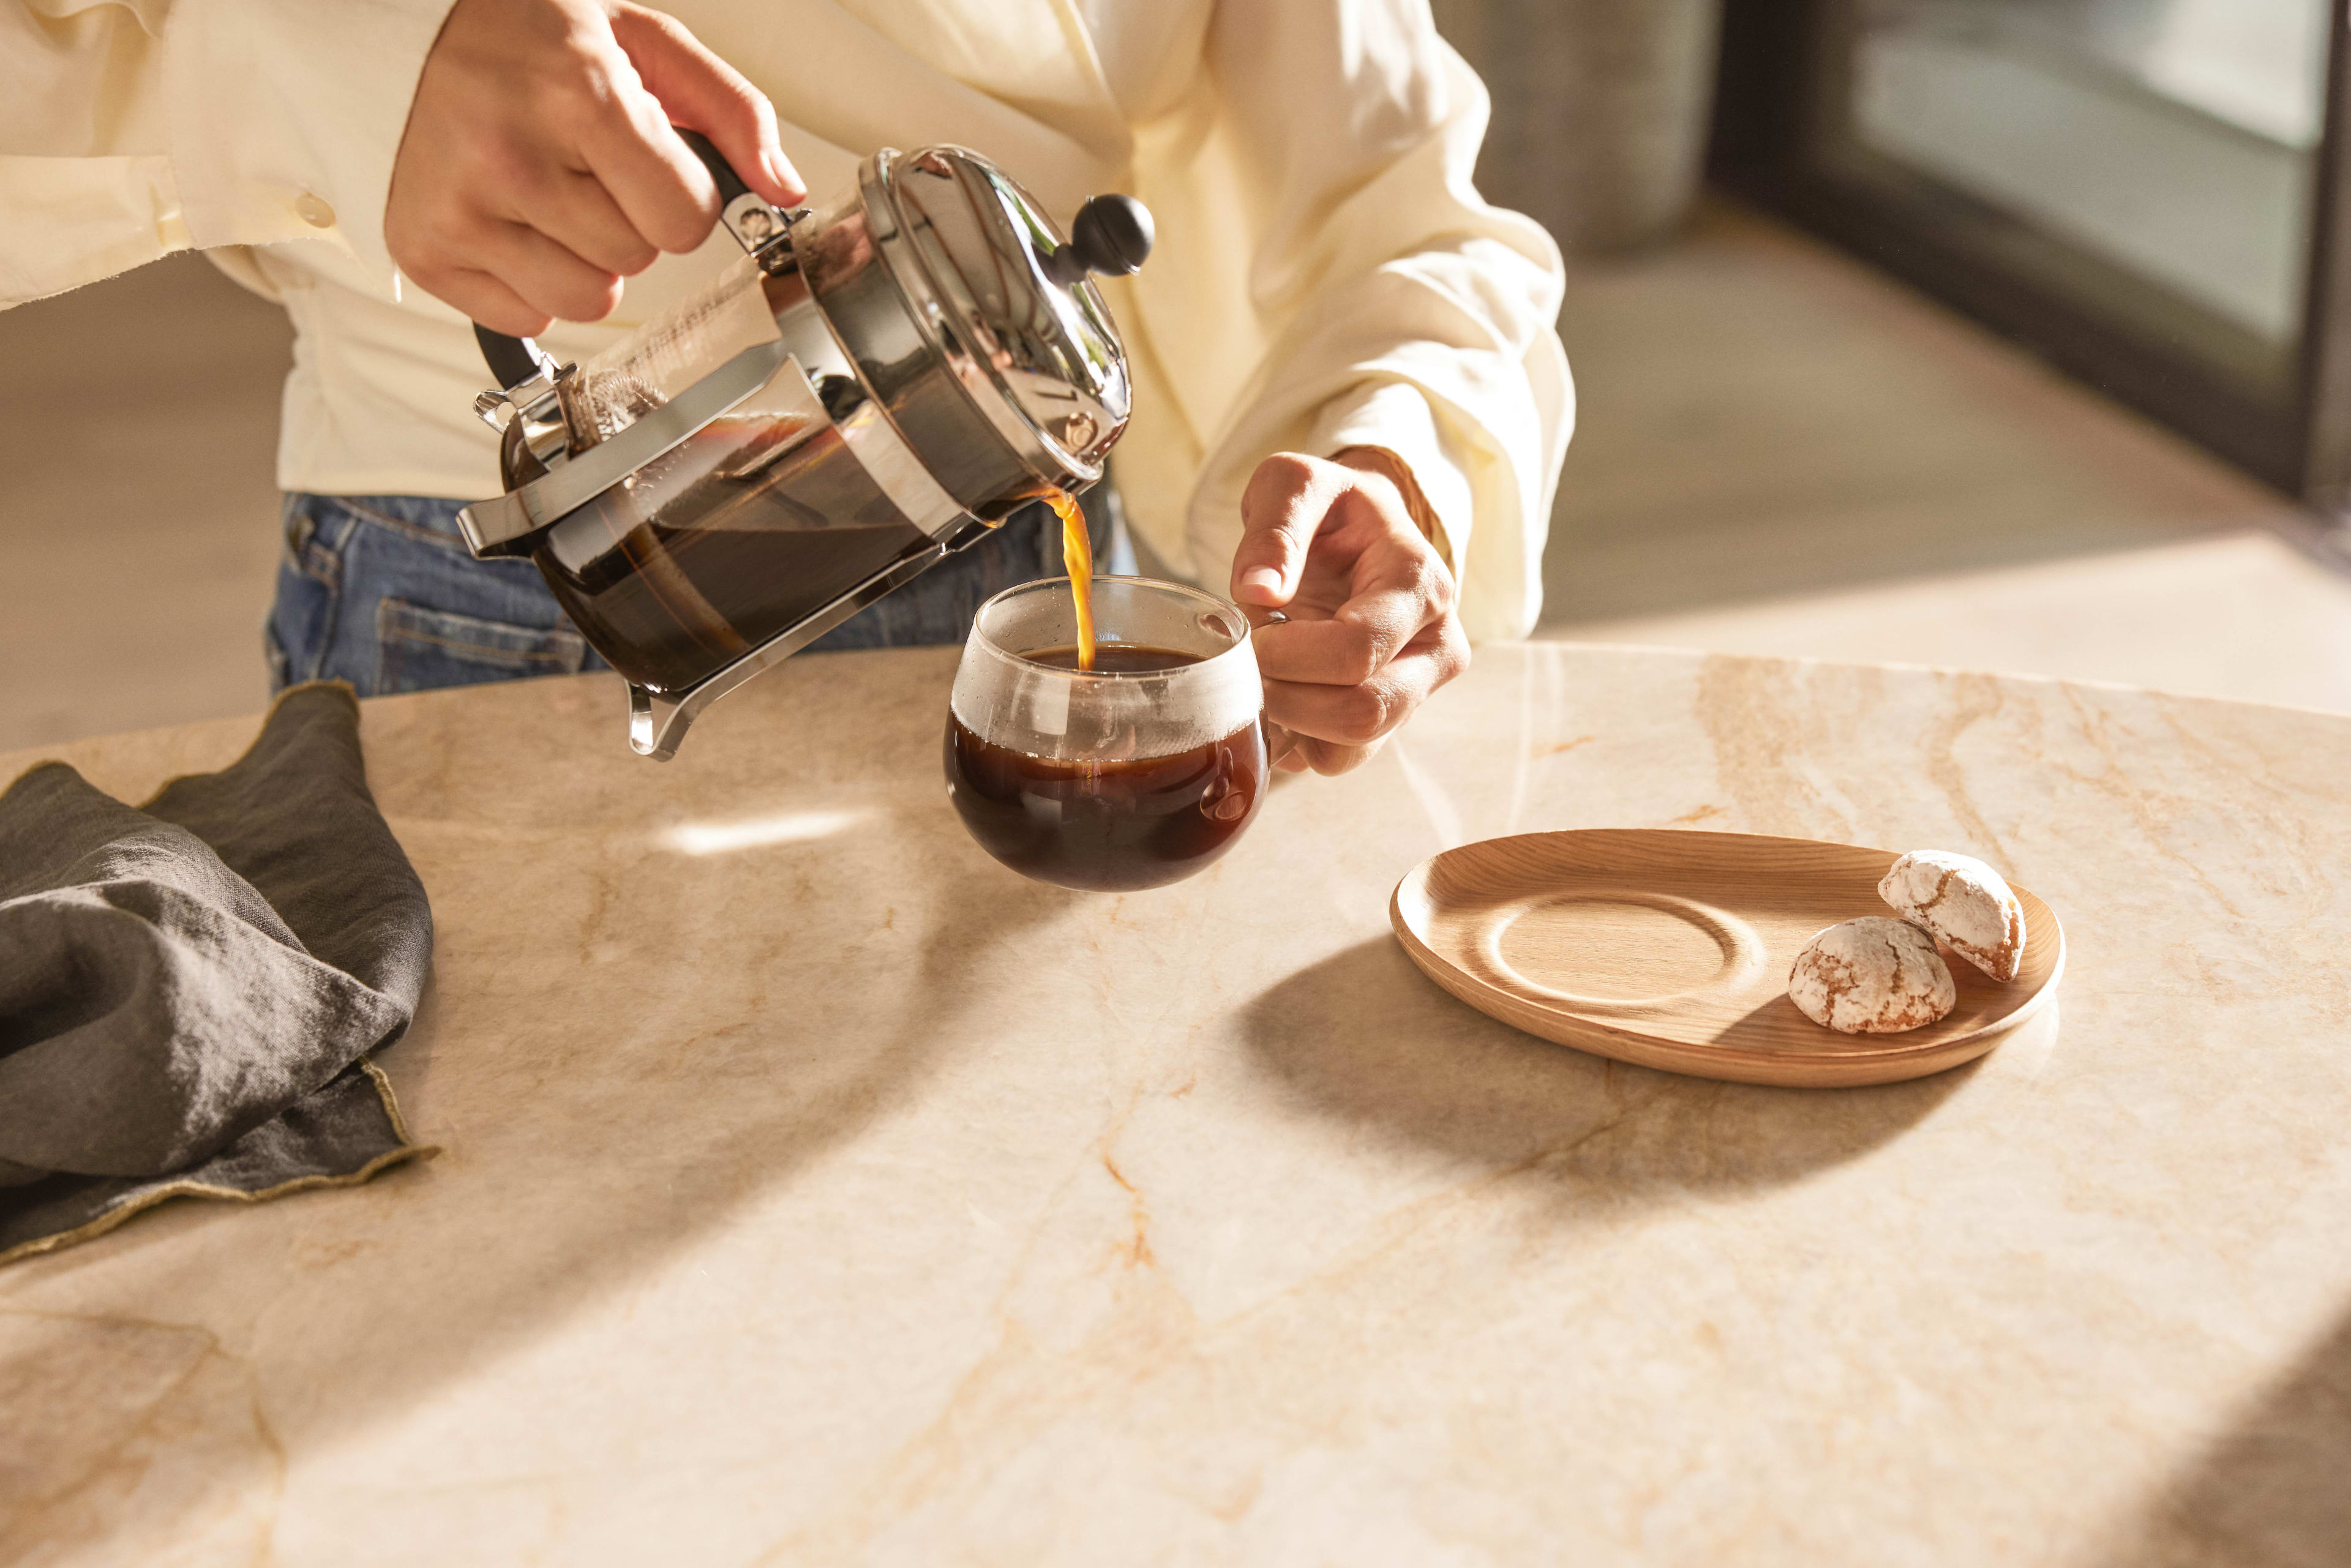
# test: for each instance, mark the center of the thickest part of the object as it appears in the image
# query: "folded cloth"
(188, 990)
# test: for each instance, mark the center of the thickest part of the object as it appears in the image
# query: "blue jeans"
(379, 591)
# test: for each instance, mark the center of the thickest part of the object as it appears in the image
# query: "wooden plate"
(1672, 949)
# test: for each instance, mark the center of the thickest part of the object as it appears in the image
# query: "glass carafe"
(873, 385)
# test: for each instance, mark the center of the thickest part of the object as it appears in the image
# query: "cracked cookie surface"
(1962, 902)
(1872, 976)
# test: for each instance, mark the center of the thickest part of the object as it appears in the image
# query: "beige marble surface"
(817, 1192)
(2241, 614)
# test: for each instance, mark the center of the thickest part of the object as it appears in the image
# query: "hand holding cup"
(1371, 628)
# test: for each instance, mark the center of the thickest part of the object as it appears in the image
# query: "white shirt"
(1325, 274)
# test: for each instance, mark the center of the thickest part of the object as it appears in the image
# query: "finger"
(577, 212)
(546, 276)
(1285, 504)
(1397, 590)
(485, 300)
(702, 93)
(1359, 715)
(1286, 752)
(630, 148)
(1354, 643)
(659, 186)
(1344, 715)
(1304, 754)
(1329, 759)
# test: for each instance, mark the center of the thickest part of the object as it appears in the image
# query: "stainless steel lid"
(1004, 296)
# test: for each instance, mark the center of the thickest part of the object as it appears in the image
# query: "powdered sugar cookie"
(1963, 902)
(1872, 976)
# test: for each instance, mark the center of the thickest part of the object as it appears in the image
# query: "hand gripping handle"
(748, 217)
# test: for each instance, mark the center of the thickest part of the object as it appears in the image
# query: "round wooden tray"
(1672, 949)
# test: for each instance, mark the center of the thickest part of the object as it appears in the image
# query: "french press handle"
(747, 214)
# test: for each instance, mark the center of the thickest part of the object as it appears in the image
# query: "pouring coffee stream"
(875, 384)
(1078, 561)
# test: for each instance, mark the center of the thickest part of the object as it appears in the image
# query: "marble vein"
(814, 1191)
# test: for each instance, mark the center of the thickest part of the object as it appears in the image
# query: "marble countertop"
(813, 1190)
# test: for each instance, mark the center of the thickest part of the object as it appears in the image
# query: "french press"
(872, 385)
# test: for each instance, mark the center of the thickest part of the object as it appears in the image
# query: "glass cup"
(1136, 773)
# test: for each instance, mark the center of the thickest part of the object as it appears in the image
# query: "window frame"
(1778, 86)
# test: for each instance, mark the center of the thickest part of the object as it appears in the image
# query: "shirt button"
(314, 212)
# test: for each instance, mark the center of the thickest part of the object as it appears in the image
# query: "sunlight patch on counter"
(756, 832)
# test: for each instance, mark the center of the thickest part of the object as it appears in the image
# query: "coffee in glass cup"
(1133, 774)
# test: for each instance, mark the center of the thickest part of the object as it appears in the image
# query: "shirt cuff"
(284, 117)
(1395, 417)
(73, 221)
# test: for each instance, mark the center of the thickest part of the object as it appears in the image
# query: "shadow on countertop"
(1389, 1051)
(2274, 1492)
(426, 1293)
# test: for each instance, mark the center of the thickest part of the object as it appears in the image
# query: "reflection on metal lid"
(1050, 349)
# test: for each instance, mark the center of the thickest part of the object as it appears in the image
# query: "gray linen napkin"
(188, 989)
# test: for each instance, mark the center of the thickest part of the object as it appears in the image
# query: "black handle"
(1112, 236)
(730, 184)
(515, 361)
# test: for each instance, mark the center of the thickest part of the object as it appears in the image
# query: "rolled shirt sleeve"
(133, 130)
(1390, 306)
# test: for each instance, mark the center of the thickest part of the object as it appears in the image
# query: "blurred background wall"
(138, 521)
(1794, 436)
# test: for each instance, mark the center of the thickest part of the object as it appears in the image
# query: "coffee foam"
(1067, 716)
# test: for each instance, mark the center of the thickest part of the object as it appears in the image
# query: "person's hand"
(538, 167)
(1371, 629)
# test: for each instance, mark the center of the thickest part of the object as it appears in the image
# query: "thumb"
(1280, 510)
(702, 93)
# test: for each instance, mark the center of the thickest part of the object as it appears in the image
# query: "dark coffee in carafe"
(683, 572)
